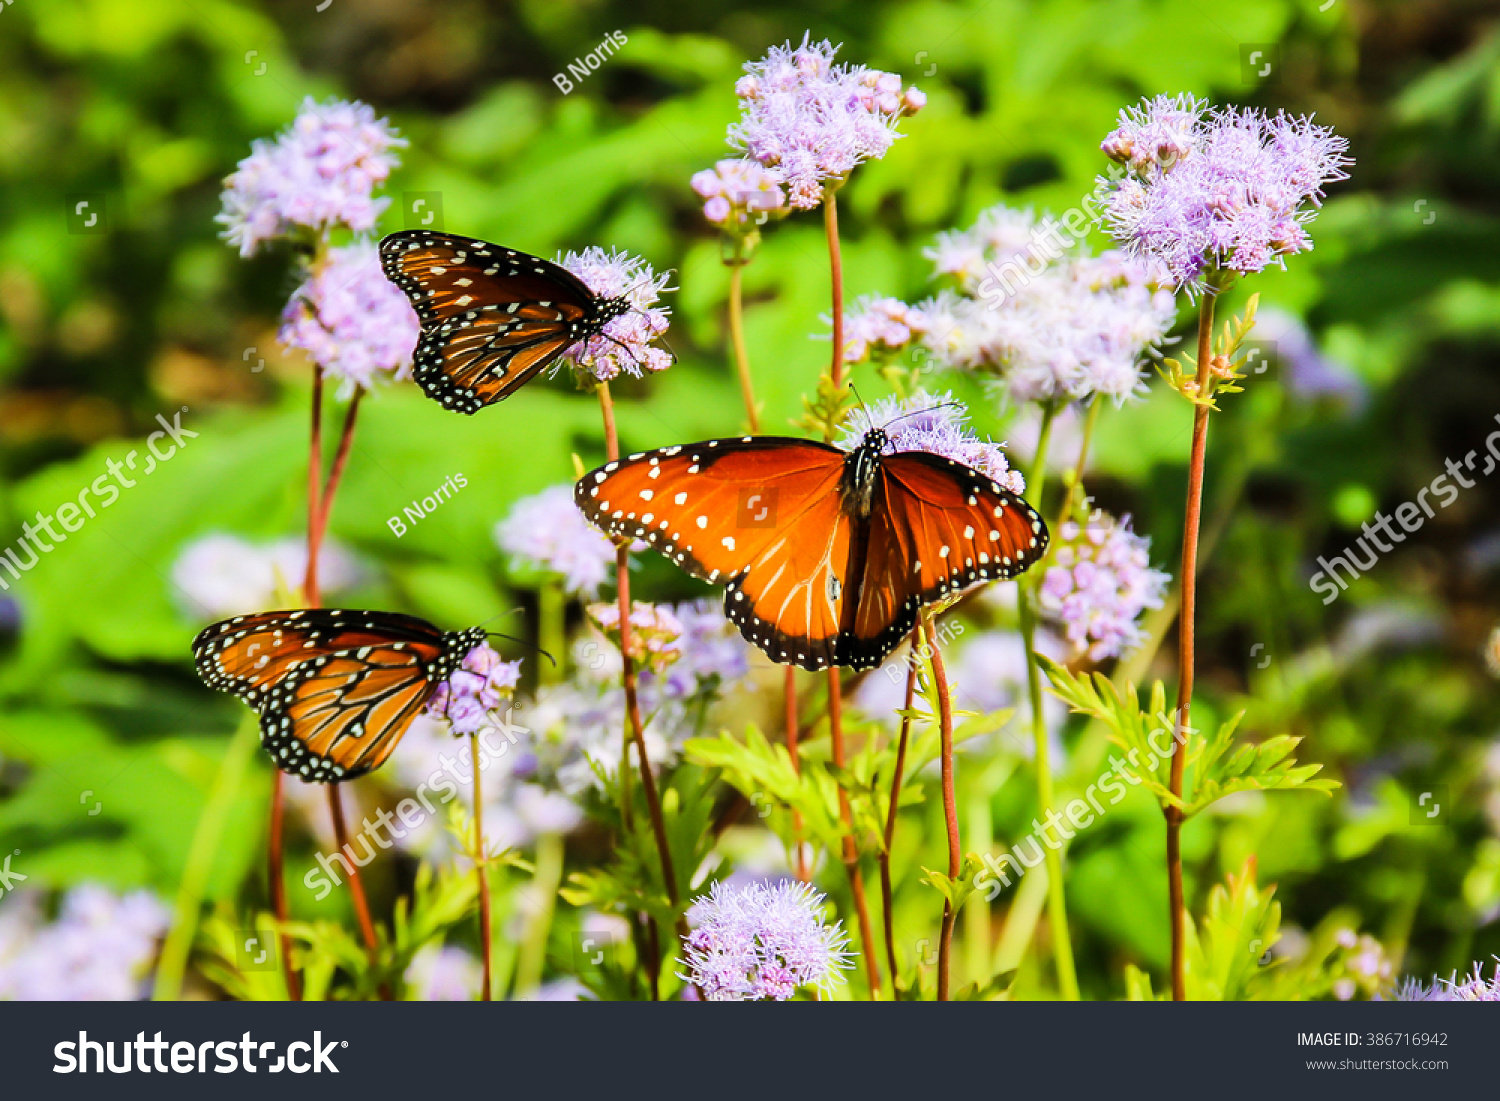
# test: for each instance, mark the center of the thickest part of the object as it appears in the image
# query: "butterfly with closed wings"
(827, 555)
(335, 689)
(492, 318)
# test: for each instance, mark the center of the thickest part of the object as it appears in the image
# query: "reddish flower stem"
(886, 893)
(356, 888)
(1185, 643)
(632, 702)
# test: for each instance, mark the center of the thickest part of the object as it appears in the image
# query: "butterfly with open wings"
(827, 556)
(335, 689)
(492, 318)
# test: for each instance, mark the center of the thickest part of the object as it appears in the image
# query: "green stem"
(481, 858)
(737, 336)
(203, 853)
(1057, 907)
(549, 870)
(551, 629)
(1075, 475)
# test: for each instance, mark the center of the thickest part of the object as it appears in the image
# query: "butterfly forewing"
(335, 689)
(492, 317)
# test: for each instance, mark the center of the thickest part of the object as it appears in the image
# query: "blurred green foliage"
(140, 109)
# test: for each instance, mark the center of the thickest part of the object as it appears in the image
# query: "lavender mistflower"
(1041, 314)
(546, 531)
(655, 632)
(482, 683)
(223, 575)
(444, 974)
(812, 121)
(354, 322)
(319, 173)
(739, 194)
(100, 948)
(1100, 584)
(762, 942)
(934, 423)
(625, 343)
(1228, 189)
(1307, 372)
(880, 326)
(714, 655)
(1473, 987)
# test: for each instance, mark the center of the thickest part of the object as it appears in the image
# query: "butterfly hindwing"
(335, 689)
(492, 317)
(937, 528)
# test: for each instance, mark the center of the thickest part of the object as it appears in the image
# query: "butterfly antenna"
(919, 412)
(526, 643)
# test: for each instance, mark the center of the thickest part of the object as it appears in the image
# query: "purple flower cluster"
(880, 326)
(1229, 189)
(100, 948)
(480, 685)
(1053, 324)
(689, 654)
(546, 531)
(739, 195)
(1473, 987)
(935, 423)
(812, 121)
(223, 575)
(762, 941)
(319, 173)
(712, 653)
(444, 974)
(1099, 585)
(655, 632)
(353, 321)
(625, 343)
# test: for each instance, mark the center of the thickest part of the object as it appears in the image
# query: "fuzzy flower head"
(547, 532)
(880, 327)
(353, 322)
(100, 948)
(482, 684)
(444, 974)
(739, 195)
(811, 121)
(223, 575)
(1036, 311)
(655, 632)
(935, 423)
(1099, 585)
(713, 655)
(625, 342)
(1231, 189)
(319, 173)
(762, 942)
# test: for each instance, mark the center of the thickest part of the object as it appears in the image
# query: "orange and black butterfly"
(492, 318)
(335, 689)
(827, 556)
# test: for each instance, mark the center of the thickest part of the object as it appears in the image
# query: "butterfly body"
(827, 556)
(335, 689)
(492, 318)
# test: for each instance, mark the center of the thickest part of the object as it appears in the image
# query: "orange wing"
(335, 689)
(492, 317)
(761, 515)
(936, 528)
